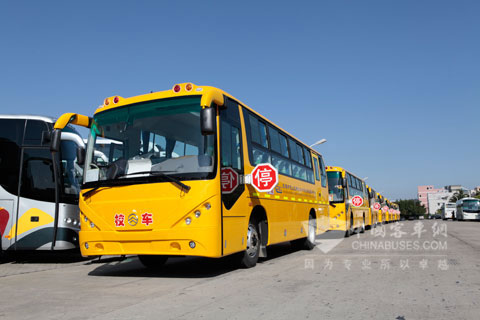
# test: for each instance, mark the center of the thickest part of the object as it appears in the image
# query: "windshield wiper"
(90, 192)
(182, 185)
(154, 173)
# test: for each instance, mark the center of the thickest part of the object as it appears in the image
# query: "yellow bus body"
(217, 231)
(345, 216)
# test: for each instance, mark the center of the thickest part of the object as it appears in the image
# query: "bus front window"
(335, 186)
(160, 136)
(472, 206)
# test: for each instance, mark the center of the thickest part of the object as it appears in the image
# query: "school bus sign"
(264, 178)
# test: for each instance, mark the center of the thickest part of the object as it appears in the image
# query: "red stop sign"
(357, 201)
(264, 177)
(229, 180)
(376, 206)
(385, 208)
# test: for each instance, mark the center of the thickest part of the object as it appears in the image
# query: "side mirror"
(80, 156)
(344, 182)
(55, 140)
(207, 121)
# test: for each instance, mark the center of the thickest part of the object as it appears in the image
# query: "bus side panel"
(234, 234)
(7, 217)
(338, 219)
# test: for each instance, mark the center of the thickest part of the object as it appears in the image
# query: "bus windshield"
(160, 136)
(471, 206)
(335, 186)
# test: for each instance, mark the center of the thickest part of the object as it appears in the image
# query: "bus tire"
(249, 257)
(152, 261)
(349, 231)
(307, 243)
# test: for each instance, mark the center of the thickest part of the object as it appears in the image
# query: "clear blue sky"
(392, 84)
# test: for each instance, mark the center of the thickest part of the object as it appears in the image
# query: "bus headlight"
(197, 214)
(208, 205)
(192, 244)
(188, 221)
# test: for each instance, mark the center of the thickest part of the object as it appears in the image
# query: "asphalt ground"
(425, 269)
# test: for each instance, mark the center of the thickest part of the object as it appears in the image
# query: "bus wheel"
(249, 257)
(349, 231)
(150, 261)
(307, 243)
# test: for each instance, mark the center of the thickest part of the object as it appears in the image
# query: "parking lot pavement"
(408, 270)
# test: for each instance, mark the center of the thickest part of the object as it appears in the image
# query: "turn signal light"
(189, 87)
(106, 102)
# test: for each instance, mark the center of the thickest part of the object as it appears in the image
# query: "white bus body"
(38, 191)
(468, 209)
(448, 210)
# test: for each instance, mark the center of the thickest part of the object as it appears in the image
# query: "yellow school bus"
(346, 215)
(374, 211)
(173, 181)
(396, 215)
(381, 212)
(389, 217)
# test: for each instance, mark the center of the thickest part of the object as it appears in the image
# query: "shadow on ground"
(44, 257)
(180, 267)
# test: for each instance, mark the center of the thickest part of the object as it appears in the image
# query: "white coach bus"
(38, 190)
(448, 211)
(468, 209)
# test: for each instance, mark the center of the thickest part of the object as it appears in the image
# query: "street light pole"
(318, 142)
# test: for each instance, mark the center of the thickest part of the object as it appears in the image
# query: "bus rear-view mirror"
(55, 140)
(207, 121)
(80, 156)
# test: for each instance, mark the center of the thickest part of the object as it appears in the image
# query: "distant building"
(423, 192)
(437, 200)
(456, 188)
(433, 199)
(475, 191)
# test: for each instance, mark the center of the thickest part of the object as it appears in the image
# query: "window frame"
(247, 114)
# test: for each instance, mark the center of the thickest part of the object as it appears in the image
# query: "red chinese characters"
(147, 218)
(120, 220)
(377, 206)
(357, 201)
(264, 177)
(230, 180)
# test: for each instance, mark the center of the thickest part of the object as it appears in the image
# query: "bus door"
(235, 208)
(37, 210)
(36, 205)
(323, 219)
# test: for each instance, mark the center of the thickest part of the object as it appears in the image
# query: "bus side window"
(11, 136)
(33, 133)
(38, 182)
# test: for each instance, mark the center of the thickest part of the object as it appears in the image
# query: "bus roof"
(27, 117)
(334, 168)
(194, 91)
(468, 198)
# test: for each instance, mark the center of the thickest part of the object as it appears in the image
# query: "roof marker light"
(189, 87)
(106, 102)
(177, 88)
(116, 99)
